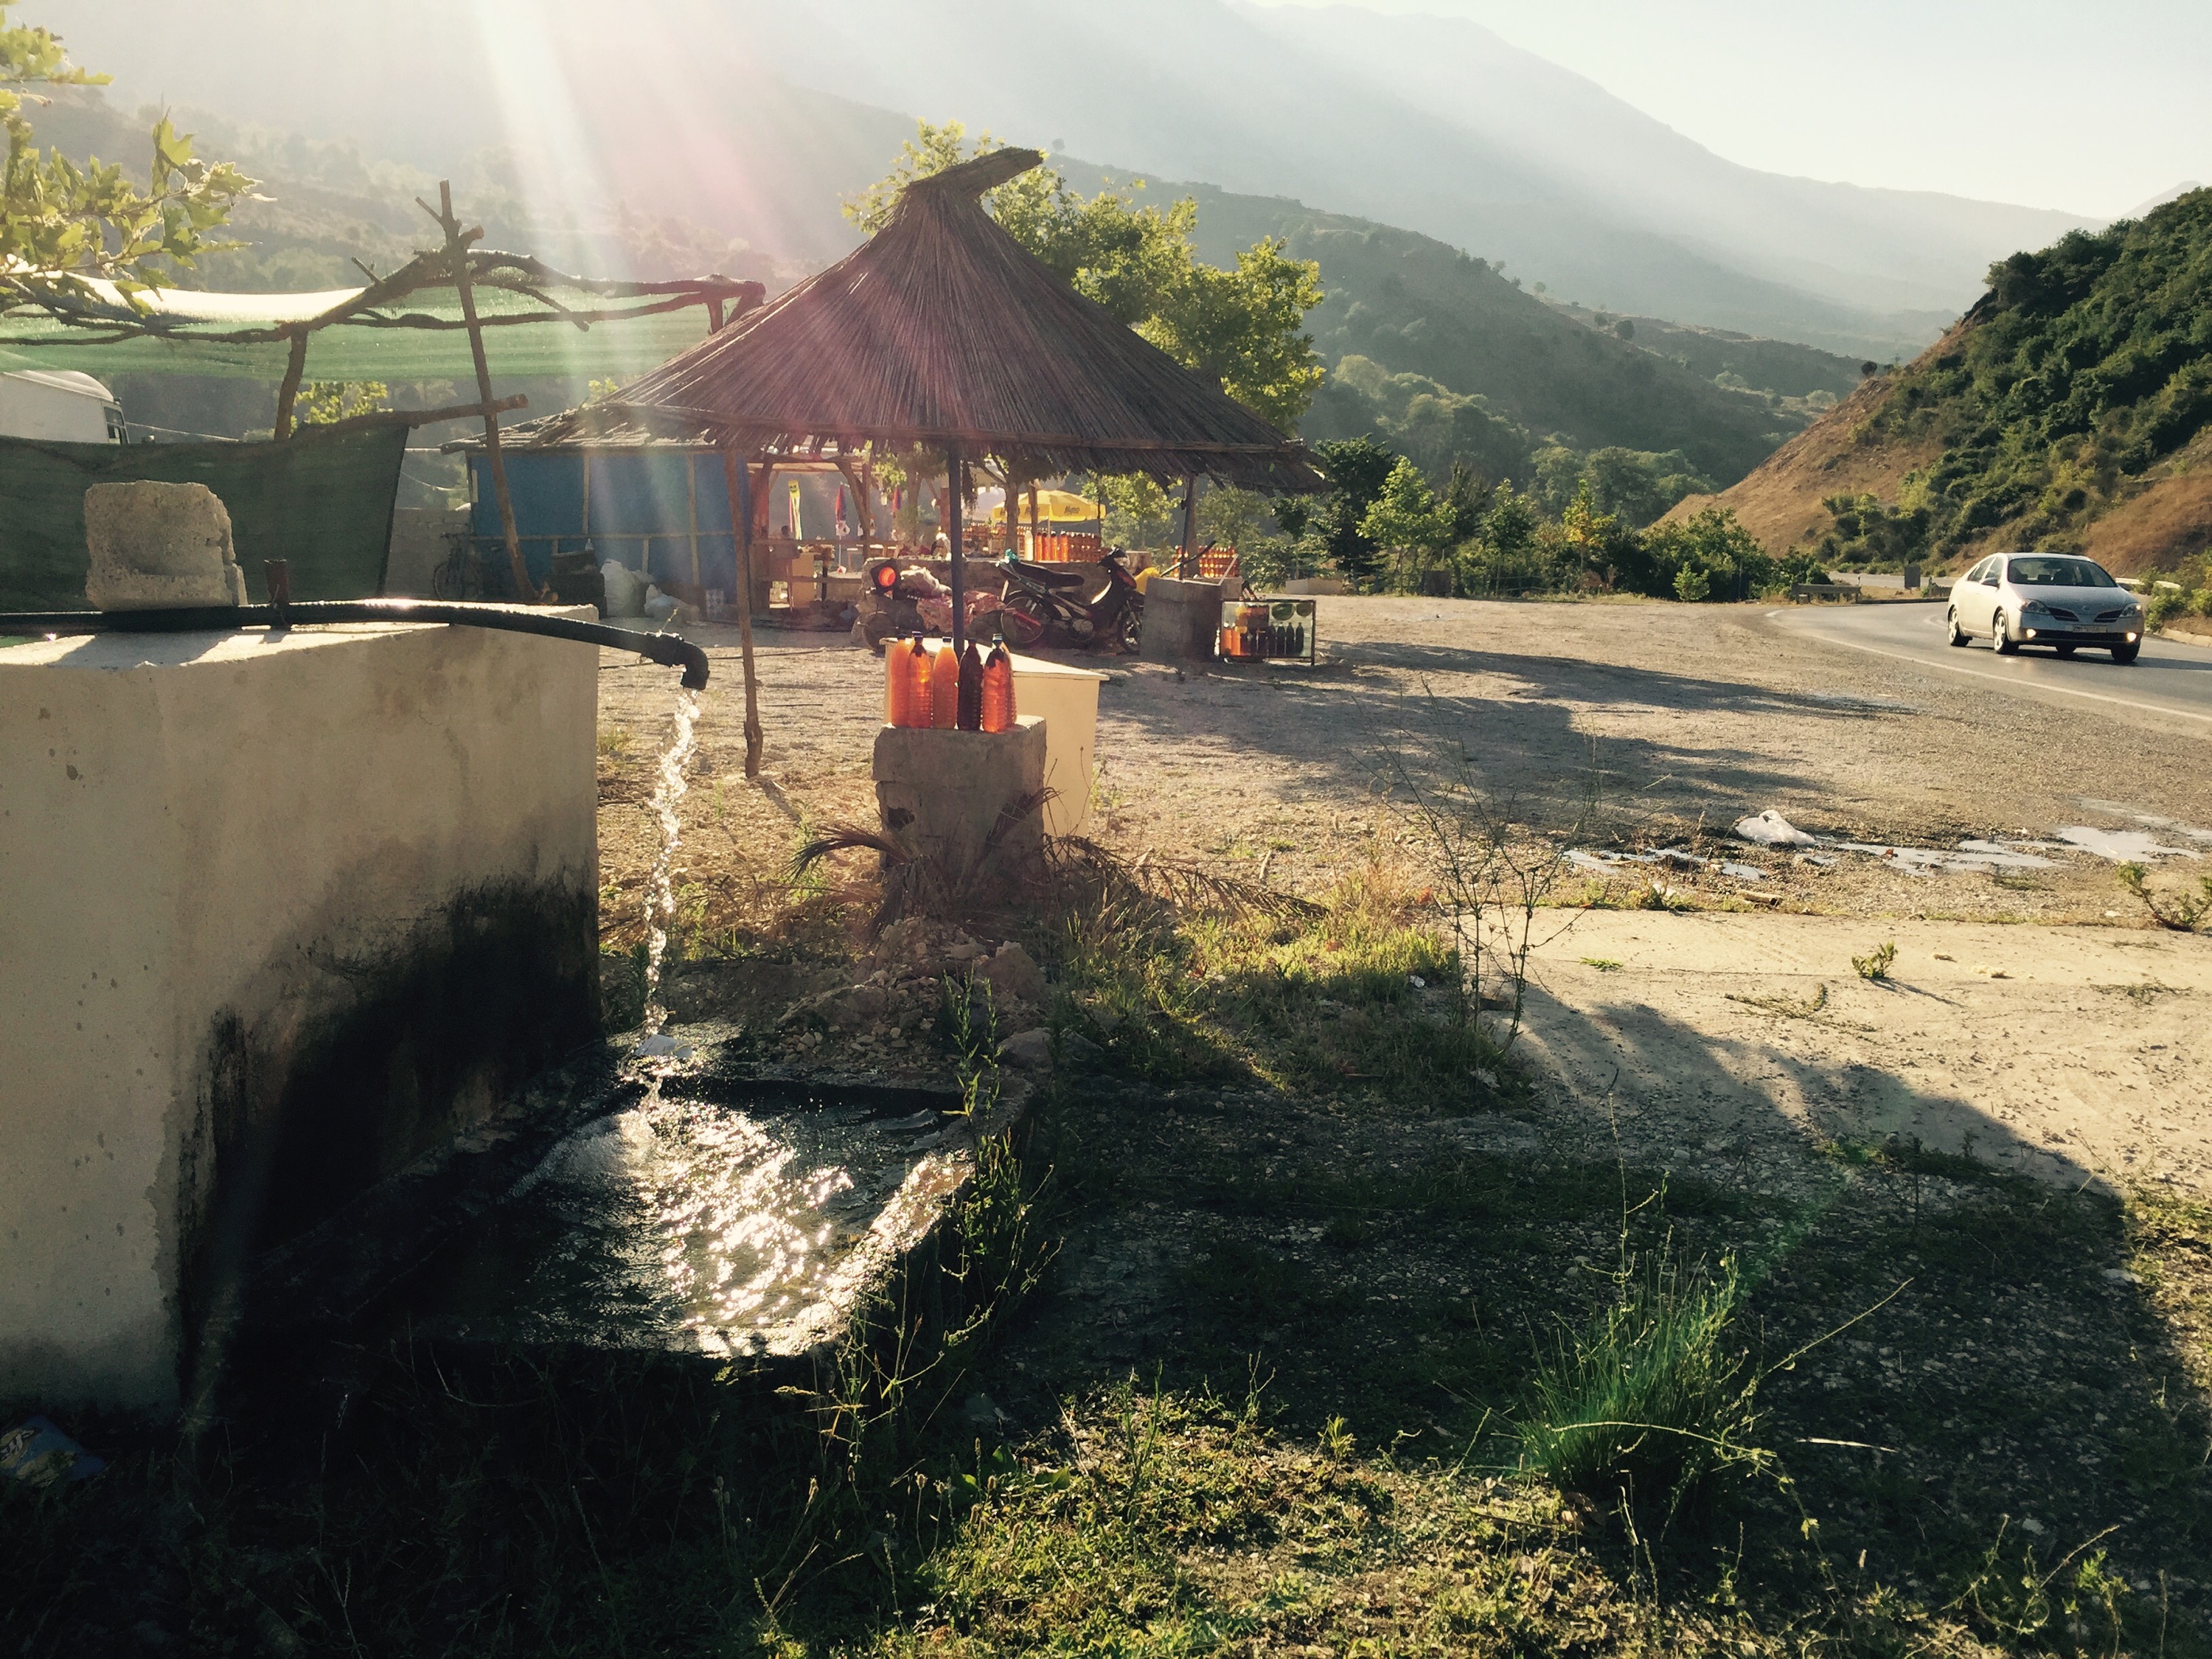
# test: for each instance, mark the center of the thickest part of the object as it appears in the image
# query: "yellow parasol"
(1053, 507)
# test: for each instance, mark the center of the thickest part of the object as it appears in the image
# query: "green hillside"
(1414, 306)
(2072, 389)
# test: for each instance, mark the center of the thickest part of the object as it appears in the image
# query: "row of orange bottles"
(935, 688)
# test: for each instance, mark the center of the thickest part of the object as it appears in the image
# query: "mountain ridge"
(643, 110)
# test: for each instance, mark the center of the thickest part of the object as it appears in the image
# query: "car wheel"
(2001, 639)
(2064, 650)
(2127, 654)
(1958, 635)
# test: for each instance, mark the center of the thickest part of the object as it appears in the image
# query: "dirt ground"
(2034, 1012)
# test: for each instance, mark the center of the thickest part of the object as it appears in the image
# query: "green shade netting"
(321, 500)
(349, 351)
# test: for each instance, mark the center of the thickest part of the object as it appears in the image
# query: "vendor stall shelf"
(1267, 630)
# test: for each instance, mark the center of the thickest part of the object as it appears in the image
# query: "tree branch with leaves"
(65, 227)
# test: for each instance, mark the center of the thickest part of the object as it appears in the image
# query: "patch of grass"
(614, 742)
(1325, 1003)
(1654, 1401)
(1603, 964)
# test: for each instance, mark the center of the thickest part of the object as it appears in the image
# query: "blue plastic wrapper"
(38, 1454)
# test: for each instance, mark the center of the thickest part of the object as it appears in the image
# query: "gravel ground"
(2060, 1048)
(1654, 725)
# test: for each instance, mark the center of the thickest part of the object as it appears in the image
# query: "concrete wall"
(279, 913)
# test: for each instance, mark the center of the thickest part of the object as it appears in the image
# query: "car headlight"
(2035, 608)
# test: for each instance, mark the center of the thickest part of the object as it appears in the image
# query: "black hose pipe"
(670, 650)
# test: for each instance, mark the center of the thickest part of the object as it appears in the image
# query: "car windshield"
(2056, 572)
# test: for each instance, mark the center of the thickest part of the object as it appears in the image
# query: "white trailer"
(60, 405)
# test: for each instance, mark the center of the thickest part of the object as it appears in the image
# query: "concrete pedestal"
(943, 791)
(1183, 620)
(282, 913)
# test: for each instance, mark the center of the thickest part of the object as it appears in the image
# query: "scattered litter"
(1416, 981)
(2031, 1526)
(2120, 846)
(661, 1045)
(1824, 860)
(1944, 956)
(1742, 872)
(1771, 829)
(2122, 1276)
(38, 1454)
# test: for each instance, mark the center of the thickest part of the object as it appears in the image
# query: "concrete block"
(943, 790)
(283, 912)
(1067, 699)
(159, 546)
(1182, 620)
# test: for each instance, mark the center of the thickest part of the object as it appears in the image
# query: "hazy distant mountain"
(687, 107)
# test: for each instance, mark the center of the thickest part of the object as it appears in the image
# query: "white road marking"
(2003, 679)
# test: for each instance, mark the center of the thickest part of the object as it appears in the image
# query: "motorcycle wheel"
(1021, 629)
(1130, 635)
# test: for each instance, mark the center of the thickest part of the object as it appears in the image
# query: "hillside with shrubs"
(2069, 410)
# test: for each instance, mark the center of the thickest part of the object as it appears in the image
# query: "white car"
(2056, 599)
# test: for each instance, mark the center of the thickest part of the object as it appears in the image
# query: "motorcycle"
(1042, 602)
(904, 598)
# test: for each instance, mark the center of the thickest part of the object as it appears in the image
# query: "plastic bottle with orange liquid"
(898, 683)
(918, 682)
(944, 687)
(971, 689)
(997, 709)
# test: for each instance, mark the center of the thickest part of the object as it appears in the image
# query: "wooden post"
(457, 260)
(1190, 525)
(288, 394)
(691, 493)
(735, 478)
(954, 529)
(1033, 519)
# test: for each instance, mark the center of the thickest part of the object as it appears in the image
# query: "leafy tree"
(1358, 468)
(1710, 554)
(1467, 496)
(1407, 517)
(1594, 549)
(64, 226)
(1139, 512)
(1245, 327)
(322, 402)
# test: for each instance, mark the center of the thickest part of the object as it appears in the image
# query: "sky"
(2088, 106)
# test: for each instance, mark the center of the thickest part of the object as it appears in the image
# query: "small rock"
(1074, 1046)
(964, 951)
(1028, 1051)
(2031, 1526)
(1014, 973)
(2122, 1276)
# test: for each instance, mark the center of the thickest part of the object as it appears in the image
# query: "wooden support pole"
(735, 478)
(953, 528)
(288, 394)
(1184, 559)
(457, 260)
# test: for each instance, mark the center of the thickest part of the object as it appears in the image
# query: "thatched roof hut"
(943, 331)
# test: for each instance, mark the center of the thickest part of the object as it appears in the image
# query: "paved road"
(2167, 679)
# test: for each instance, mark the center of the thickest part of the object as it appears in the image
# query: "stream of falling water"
(660, 889)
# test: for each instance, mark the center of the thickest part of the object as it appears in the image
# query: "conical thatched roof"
(942, 329)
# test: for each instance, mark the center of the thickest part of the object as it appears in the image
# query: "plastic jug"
(944, 687)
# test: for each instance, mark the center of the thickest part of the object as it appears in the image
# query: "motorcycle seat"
(1050, 577)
